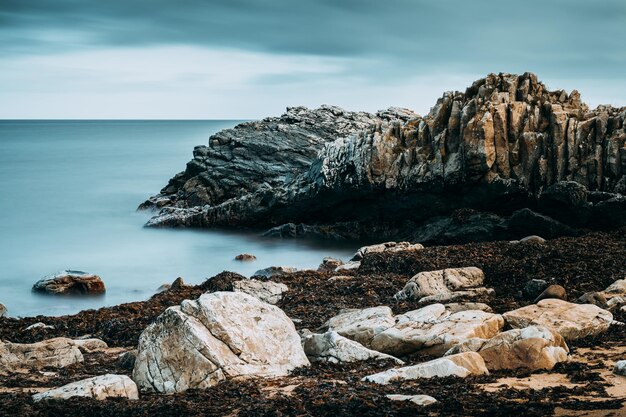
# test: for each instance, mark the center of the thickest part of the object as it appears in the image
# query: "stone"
(163, 288)
(386, 247)
(553, 291)
(3, 310)
(70, 282)
(329, 264)
(39, 326)
(361, 325)
(178, 283)
(218, 336)
(274, 271)
(616, 288)
(349, 266)
(90, 345)
(55, 353)
(533, 239)
(334, 348)
(595, 298)
(572, 321)
(245, 257)
(452, 308)
(460, 365)
(436, 335)
(614, 303)
(267, 291)
(99, 388)
(620, 368)
(126, 360)
(444, 285)
(340, 278)
(531, 348)
(533, 288)
(422, 400)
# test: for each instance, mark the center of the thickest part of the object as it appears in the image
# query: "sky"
(246, 59)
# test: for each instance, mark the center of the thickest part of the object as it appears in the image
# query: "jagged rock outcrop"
(506, 143)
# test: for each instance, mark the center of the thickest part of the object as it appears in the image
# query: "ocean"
(68, 197)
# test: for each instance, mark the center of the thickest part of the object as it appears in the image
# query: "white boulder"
(55, 353)
(444, 285)
(386, 247)
(334, 348)
(422, 400)
(363, 324)
(267, 291)
(99, 388)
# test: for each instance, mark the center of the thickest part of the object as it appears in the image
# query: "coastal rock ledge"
(523, 160)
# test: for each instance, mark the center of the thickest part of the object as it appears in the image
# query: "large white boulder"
(460, 365)
(217, 336)
(386, 247)
(531, 348)
(362, 325)
(99, 388)
(572, 321)
(433, 333)
(56, 353)
(334, 348)
(444, 285)
(267, 291)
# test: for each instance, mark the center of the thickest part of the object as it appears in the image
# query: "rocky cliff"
(522, 158)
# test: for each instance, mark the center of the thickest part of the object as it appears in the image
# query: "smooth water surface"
(68, 194)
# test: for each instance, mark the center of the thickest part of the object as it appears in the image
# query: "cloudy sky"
(252, 58)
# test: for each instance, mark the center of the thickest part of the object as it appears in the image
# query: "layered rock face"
(505, 144)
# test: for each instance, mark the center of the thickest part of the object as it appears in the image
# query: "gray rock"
(620, 368)
(266, 291)
(126, 360)
(334, 348)
(422, 400)
(533, 288)
(329, 264)
(99, 388)
(56, 353)
(274, 271)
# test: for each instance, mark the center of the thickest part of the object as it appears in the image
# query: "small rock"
(90, 345)
(456, 307)
(572, 321)
(386, 247)
(245, 257)
(126, 360)
(99, 388)
(70, 282)
(460, 365)
(618, 287)
(3, 310)
(39, 326)
(362, 325)
(349, 266)
(444, 285)
(616, 302)
(178, 283)
(163, 288)
(341, 278)
(56, 353)
(620, 368)
(267, 291)
(329, 264)
(532, 239)
(553, 291)
(334, 348)
(422, 400)
(275, 271)
(595, 298)
(533, 288)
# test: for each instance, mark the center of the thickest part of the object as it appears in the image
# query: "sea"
(69, 190)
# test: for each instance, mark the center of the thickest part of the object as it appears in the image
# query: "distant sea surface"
(68, 197)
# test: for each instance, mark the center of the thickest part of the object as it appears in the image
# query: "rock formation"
(70, 282)
(56, 353)
(334, 348)
(99, 388)
(507, 147)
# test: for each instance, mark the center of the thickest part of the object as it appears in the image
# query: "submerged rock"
(460, 365)
(220, 335)
(245, 257)
(99, 388)
(55, 353)
(70, 282)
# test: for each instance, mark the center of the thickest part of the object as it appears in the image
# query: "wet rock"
(533, 288)
(385, 247)
(362, 325)
(422, 400)
(164, 288)
(90, 345)
(99, 388)
(274, 271)
(334, 348)
(3, 310)
(329, 264)
(553, 291)
(266, 291)
(460, 365)
(126, 360)
(39, 326)
(595, 298)
(70, 282)
(572, 321)
(178, 283)
(620, 368)
(220, 335)
(246, 257)
(55, 353)
(434, 334)
(530, 348)
(444, 285)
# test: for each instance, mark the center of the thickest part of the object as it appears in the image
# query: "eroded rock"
(99, 388)
(334, 348)
(70, 282)
(220, 335)
(274, 271)
(267, 291)
(444, 285)
(363, 324)
(55, 353)
(386, 247)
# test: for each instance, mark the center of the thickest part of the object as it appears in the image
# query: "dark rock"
(553, 291)
(533, 288)
(596, 298)
(178, 283)
(222, 281)
(245, 257)
(274, 271)
(532, 239)
(506, 144)
(70, 282)
(329, 264)
(127, 359)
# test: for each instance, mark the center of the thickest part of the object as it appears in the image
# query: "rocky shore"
(502, 160)
(481, 353)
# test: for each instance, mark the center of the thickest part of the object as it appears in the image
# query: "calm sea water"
(68, 194)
